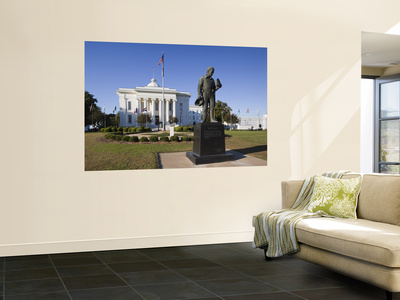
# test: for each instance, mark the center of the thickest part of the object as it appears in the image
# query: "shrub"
(134, 139)
(125, 130)
(120, 129)
(153, 138)
(102, 129)
(185, 129)
(108, 136)
(132, 129)
(147, 129)
(125, 138)
(186, 138)
(114, 129)
(164, 139)
(179, 128)
(118, 137)
(140, 129)
(174, 138)
(143, 139)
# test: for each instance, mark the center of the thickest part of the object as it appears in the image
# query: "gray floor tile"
(28, 262)
(120, 256)
(43, 296)
(266, 269)
(188, 263)
(84, 270)
(136, 267)
(71, 260)
(173, 291)
(152, 277)
(92, 282)
(168, 253)
(219, 272)
(348, 293)
(31, 274)
(237, 259)
(297, 282)
(237, 286)
(33, 286)
(268, 296)
(120, 293)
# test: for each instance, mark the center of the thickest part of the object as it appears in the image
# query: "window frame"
(378, 120)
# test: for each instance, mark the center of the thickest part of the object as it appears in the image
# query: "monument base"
(208, 144)
(208, 159)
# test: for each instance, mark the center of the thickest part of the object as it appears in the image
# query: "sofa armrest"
(290, 191)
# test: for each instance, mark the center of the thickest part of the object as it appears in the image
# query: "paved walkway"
(179, 160)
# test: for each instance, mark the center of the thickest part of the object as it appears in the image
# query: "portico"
(160, 103)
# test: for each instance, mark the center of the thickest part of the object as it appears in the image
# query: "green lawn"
(102, 154)
(253, 143)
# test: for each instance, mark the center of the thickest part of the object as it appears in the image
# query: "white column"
(153, 110)
(161, 111)
(137, 110)
(174, 108)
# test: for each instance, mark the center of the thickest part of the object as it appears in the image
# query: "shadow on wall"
(326, 125)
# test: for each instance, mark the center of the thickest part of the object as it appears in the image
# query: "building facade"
(246, 123)
(160, 103)
(195, 114)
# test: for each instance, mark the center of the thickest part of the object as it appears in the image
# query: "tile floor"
(209, 272)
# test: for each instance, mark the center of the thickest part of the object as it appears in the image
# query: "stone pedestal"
(208, 144)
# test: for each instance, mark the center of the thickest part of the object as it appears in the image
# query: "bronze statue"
(206, 93)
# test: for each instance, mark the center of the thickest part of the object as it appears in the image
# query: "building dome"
(153, 83)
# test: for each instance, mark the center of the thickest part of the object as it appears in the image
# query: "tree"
(143, 119)
(91, 109)
(173, 120)
(234, 119)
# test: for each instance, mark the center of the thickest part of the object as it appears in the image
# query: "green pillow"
(335, 197)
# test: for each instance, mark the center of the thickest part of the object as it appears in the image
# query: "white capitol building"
(149, 99)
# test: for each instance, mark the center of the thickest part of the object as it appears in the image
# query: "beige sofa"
(368, 248)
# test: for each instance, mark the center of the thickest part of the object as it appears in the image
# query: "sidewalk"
(179, 160)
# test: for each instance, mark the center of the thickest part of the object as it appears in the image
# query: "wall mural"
(161, 106)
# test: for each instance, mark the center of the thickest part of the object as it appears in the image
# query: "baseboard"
(124, 243)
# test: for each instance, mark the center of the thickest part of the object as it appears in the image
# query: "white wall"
(50, 204)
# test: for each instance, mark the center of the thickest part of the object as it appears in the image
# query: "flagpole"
(163, 112)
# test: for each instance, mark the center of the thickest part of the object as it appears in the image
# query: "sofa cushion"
(379, 198)
(335, 197)
(361, 239)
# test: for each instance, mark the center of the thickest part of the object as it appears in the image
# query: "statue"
(206, 93)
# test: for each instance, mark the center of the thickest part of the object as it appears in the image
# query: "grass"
(253, 143)
(112, 155)
(101, 154)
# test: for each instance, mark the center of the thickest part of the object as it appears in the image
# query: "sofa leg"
(389, 295)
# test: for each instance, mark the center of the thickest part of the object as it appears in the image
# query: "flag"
(159, 63)
(162, 59)
(144, 109)
(239, 111)
(247, 111)
(135, 111)
(91, 107)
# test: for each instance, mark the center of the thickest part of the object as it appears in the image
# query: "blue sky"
(241, 70)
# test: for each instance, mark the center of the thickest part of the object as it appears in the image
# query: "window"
(130, 119)
(129, 105)
(156, 107)
(387, 124)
